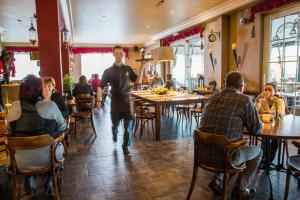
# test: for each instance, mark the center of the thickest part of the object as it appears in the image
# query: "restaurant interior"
(149, 99)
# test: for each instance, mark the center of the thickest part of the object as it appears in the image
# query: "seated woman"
(268, 103)
(169, 82)
(50, 94)
(156, 81)
(30, 116)
(83, 87)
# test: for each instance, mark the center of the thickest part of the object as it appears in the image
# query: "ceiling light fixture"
(65, 36)
(162, 53)
(32, 31)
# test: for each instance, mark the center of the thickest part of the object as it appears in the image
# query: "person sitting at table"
(169, 82)
(50, 94)
(227, 113)
(83, 87)
(156, 81)
(32, 116)
(268, 102)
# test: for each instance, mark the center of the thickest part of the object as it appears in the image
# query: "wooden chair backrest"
(84, 102)
(214, 143)
(31, 142)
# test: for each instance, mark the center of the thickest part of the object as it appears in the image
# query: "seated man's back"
(227, 112)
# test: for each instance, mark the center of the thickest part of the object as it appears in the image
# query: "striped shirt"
(227, 113)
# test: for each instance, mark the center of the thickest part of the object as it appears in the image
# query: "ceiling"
(10, 12)
(106, 21)
(130, 21)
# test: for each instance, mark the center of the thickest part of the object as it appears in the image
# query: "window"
(25, 66)
(188, 63)
(196, 58)
(179, 67)
(284, 56)
(95, 63)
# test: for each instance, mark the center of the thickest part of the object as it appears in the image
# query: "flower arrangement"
(68, 85)
(160, 90)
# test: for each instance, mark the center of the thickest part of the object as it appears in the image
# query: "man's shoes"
(215, 187)
(244, 194)
(125, 150)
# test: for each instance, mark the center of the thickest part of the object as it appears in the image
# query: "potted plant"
(212, 85)
(68, 85)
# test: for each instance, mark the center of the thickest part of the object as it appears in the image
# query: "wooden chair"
(84, 106)
(4, 154)
(297, 144)
(293, 168)
(205, 141)
(143, 115)
(34, 142)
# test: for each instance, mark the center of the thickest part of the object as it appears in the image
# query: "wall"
(132, 56)
(76, 69)
(219, 51)
(250, 49)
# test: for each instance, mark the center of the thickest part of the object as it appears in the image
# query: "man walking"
(119, 77)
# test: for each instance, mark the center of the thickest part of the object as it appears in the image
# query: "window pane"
(290, 71)
(25, 66)
(274, 72)
(95, 63)
(179, 69)
(277, 33)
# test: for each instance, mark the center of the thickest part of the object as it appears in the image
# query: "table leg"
(157, 123)
(267, 149)
(280, 155)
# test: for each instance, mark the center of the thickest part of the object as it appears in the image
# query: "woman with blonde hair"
(49, 94)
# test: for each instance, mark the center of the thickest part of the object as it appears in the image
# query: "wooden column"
(48, 24)
(65, 60)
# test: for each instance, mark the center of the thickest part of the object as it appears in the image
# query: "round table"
(288, 127)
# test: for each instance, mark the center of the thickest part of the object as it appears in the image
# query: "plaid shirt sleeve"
(252, 122)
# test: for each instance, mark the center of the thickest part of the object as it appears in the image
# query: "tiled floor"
(97, 169)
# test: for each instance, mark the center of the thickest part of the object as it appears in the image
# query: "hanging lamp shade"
(162, 54)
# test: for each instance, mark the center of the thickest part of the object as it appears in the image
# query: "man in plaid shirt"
(227, 113)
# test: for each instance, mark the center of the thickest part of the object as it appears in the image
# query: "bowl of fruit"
(160, 90)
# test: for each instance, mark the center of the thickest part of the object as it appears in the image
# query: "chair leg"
(195, 172)
(93, 125)
(136, 125)
(75, 126)
(152, 122)
(55, 184)
(224, 186)
(287, 184)
(26, 185)
(15, 187)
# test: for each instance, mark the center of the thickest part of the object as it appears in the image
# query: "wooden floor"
(96, 168)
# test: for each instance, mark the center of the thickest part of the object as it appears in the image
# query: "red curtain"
(183, 34)
(268, 5)
(21, 49)
(83, 50)
(74, 50)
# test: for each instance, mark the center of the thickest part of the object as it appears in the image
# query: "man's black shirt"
(119, 78)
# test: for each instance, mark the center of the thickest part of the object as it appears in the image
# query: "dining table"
(170, 98)
(284, 129)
